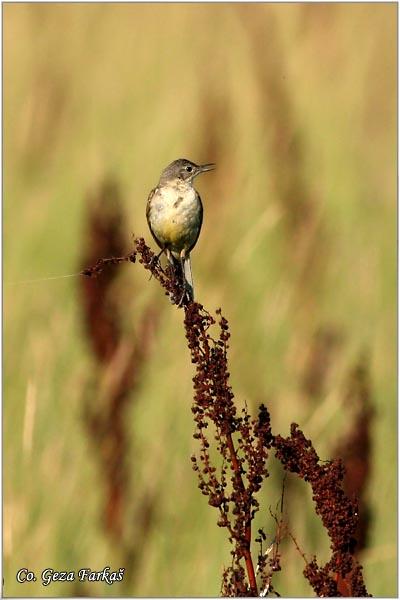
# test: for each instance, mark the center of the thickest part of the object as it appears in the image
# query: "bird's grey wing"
(200, 221)
(148, 210)
(148, 207)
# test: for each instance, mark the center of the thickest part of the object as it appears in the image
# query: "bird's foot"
(154, 261)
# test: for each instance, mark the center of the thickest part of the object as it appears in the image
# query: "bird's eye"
(189, 169)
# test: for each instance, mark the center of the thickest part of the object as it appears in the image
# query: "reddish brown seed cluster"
(338, 513)
(231, 463)
(242, 443)
(234, 582)
(170, 278)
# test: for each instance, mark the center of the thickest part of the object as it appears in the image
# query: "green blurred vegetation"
(297, 105)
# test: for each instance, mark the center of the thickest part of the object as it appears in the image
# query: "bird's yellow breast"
(175, 217)
(172, 229)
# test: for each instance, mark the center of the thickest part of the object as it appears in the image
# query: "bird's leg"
(159, 254)
(182, 261)
(171, 260)
(179, 272)
(173, 264)
(169, 256)
(155, 259)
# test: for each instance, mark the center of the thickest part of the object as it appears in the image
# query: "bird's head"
(184, 170)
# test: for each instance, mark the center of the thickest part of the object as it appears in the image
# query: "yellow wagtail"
(175, 214)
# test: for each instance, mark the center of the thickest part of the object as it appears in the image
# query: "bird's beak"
(208, 167)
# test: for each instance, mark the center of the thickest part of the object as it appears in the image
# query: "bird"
(174, 214)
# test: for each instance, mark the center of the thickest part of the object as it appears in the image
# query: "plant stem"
(246, 550)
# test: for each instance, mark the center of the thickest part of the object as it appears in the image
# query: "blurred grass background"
(297, 105)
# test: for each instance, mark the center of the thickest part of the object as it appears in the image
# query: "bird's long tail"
(187, 271)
